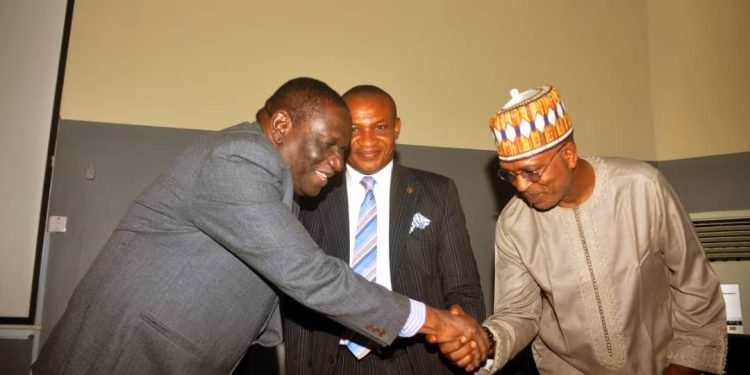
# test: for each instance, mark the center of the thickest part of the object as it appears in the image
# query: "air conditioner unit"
(725, 235)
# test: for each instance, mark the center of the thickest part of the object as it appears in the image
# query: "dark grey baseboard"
(15, 356)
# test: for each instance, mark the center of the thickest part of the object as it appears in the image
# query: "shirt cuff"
(488, 364)
(415, 320)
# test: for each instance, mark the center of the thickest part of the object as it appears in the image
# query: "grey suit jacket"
(435, 265)
(189, 278)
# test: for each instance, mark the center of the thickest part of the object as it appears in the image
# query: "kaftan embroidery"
(543, 252)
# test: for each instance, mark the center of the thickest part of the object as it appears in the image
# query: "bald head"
(370, 91)
(304, 99)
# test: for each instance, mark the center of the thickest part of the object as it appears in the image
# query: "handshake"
(459, 337)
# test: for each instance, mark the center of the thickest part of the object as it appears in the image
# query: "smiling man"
(596, 261)
(190, 276)
(418, 246)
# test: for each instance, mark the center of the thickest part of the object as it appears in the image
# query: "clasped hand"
(459, 337)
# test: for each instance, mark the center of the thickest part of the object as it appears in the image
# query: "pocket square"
(419, 221)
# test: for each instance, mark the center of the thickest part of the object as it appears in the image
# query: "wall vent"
(725, 235)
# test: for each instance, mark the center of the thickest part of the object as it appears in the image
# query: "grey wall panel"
(711, 183)
(127, 158)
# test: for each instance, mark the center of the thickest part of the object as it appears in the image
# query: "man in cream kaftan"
(617, 285)
(596, 261)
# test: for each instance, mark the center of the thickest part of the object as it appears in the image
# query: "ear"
(570, 154)
(397, 127)
(281, 126)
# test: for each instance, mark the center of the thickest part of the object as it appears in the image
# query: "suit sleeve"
(698, 312)
(459, 268)
(237, 200)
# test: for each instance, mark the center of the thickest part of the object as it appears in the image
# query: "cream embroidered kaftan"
(619, 285)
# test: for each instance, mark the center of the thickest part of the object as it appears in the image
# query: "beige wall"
(634, 73)
(699, 57)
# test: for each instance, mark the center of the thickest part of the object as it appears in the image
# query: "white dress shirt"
(382, 192)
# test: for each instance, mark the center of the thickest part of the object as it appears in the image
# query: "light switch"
(57, 224)
(90, 171)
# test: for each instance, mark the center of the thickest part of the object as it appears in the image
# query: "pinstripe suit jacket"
(435, 265)
(189, 278)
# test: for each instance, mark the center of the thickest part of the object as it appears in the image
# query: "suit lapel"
(335, 218)
(404, 190)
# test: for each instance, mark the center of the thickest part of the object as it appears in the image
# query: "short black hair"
(367, 90)
(305, 99)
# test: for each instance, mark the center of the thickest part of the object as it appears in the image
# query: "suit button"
(331, 360)
(376, 330)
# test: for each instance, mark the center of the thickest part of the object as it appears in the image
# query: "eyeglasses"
(532, 176)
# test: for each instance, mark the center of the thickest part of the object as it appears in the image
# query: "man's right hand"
(460, 338)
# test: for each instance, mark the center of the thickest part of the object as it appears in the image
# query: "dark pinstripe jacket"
(434, 265)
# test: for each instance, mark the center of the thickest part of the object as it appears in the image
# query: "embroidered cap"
(530, 123)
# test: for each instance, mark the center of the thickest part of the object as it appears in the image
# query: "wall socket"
(57, 224)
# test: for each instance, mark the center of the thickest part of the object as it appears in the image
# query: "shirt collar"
(381, 176)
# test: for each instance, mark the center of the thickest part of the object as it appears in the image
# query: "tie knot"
(368, 182)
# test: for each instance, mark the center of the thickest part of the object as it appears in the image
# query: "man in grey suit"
(190, 276)
(423, 248)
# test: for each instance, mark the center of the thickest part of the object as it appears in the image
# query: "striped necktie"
(365, 248)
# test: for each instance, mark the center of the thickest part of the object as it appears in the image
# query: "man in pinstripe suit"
(423, 248)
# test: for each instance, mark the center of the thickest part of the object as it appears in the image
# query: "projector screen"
(31, 34)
